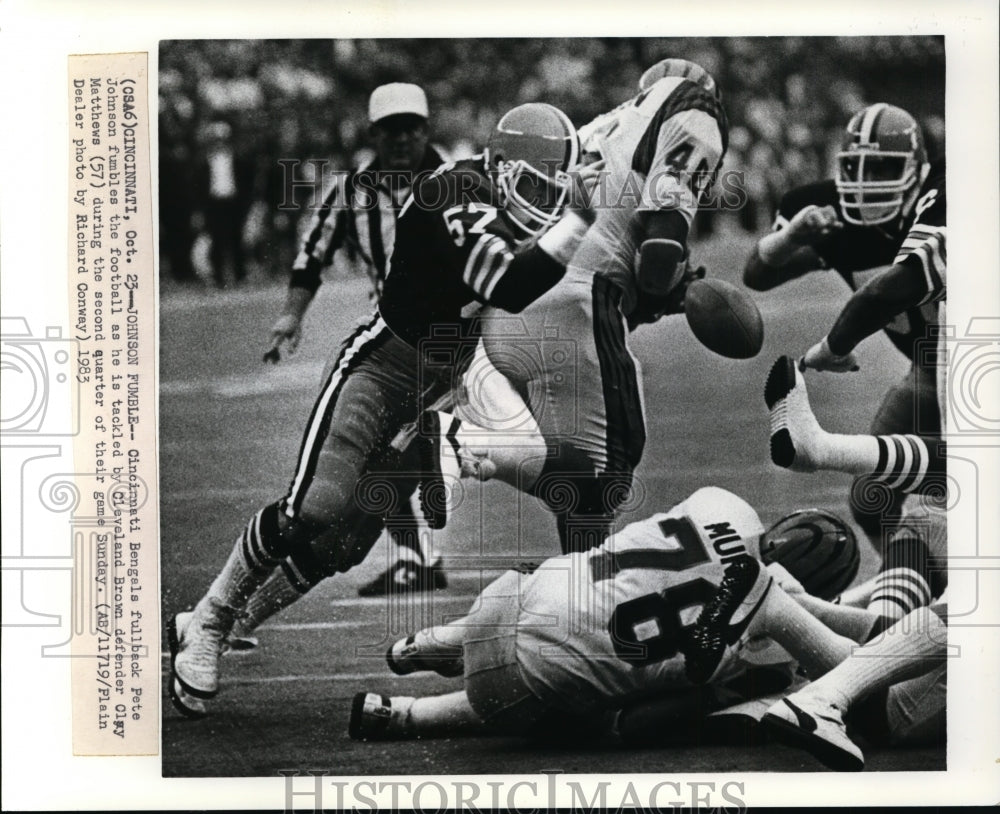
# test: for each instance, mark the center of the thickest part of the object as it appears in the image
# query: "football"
(724, 318)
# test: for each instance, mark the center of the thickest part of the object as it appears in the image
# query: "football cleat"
(725, 618)
(375, 717)
(405, 657)
(195, 640)
(816, 726)
(796, 436)
(406, 577)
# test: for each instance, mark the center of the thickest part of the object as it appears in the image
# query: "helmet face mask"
(529, 155)
(533, 199)
(880, 166)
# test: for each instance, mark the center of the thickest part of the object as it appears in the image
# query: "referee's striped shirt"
(350, 218)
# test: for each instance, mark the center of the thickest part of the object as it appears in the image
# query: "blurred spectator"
(225, 180)
(306, 99)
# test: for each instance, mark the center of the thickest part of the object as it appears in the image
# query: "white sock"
(907, 649)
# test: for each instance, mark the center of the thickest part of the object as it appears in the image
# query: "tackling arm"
(872, 307)
(788, 252)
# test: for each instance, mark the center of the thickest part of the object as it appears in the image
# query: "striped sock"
(276, 594)
(904, 461)
(903, 583)
(254, 555)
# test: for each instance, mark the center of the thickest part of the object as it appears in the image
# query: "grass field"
(229, 433)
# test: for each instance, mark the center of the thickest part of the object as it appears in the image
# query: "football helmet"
(529, 154)
(881, 165)
(678, 67)
(817, 548)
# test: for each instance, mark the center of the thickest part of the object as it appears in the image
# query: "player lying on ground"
(899, 711)
(591, 632)
(463, 238)
(886, 204)
(900, 678)
(568, 353)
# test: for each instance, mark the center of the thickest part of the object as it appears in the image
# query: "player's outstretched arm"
(787, 253)
(868, 311)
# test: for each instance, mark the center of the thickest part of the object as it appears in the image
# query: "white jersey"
(603, 625)
(661, 151)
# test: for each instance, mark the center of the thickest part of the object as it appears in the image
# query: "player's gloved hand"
(813, 223)
(287, 331)
(650, 307)
(820, 357)
(584, 183)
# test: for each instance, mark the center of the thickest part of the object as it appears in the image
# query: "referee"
(359, 214)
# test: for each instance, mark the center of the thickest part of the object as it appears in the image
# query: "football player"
(906, 463)
(358, 219)
(899, 667)
(901, 676)
(659, 153)
(591, 632)
(460, 243)
(886, 206)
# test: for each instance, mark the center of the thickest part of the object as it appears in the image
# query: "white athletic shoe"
(375, 717)
(184, 702)
(195, 645)
(443, 461)
(797, 439)
(817, 727)
(405, 657)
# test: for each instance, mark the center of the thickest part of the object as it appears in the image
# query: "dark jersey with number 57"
(599, 627)
(858, 253)
(454, 252)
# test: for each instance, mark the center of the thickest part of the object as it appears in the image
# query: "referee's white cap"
(396, 98)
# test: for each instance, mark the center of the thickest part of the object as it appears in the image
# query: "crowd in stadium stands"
(231, 111)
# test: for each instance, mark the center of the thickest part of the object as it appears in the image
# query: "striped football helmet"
(529, 154)
(816, 547)
(881, 166)
(682, 68)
